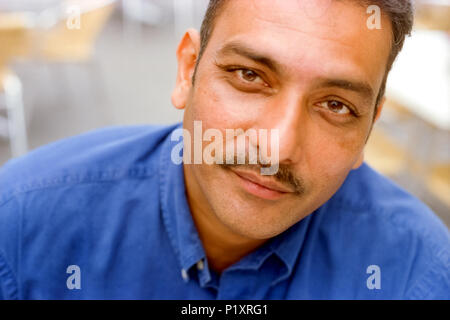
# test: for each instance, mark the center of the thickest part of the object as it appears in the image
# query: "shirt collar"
(175, 209)
(286, 246)
(184, 236)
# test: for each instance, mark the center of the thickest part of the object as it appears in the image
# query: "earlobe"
(187, 54)
(360, 160)
(379, 109)
(179, 97)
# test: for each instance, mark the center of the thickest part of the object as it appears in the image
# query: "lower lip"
(258, 190)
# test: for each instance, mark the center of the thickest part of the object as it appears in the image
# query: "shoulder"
(55, 200)
(103, 152)
(368, 194)
(387, 226)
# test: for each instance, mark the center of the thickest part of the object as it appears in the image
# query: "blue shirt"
(104, 216)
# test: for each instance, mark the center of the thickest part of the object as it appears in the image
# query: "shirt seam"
(389, 217)
(163, 193)
(420, 233)
(74, 180)
(421, 287)
(8, 279)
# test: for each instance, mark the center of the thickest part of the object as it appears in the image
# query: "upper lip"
(266, 183)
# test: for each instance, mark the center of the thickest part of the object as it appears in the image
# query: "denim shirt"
(104, 215)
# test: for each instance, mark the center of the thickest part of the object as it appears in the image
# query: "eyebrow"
(360, 87)
(242, 50)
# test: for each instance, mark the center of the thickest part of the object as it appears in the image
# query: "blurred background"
(67, 67)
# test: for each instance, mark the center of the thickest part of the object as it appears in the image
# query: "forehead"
(311, 37)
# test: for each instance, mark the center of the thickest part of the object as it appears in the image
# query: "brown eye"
(335, 107)
(249, 76)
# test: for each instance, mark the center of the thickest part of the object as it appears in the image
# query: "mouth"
(260, 187)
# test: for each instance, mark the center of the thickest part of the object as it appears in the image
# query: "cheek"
(331, 153)
(220, 106)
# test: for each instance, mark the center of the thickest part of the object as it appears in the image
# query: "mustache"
(284, 174)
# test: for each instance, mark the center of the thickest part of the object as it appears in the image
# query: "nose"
(286, 114)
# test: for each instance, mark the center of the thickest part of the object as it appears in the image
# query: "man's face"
(312, 70)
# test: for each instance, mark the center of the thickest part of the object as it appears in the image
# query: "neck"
(223, 247)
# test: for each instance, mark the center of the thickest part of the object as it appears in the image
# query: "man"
(111, 214)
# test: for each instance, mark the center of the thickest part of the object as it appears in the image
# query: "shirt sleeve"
(435, 281)
(8, 283)
(9, 217)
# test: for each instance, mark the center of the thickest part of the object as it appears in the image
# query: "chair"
(438, 182)
(14, 42)
(61, 44)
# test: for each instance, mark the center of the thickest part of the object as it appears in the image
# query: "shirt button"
(200, 265)
(184, 275)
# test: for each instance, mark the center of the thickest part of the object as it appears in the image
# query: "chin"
(251, 230)
(251, 220)
(245, 214)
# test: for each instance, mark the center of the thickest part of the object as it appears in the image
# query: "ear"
(380, 107)
(360, 160)
(187, 54)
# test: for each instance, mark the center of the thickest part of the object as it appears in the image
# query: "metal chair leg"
(16, 115)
